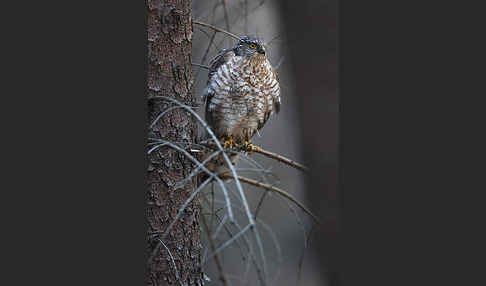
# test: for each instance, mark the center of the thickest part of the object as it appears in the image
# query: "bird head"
(250, 46)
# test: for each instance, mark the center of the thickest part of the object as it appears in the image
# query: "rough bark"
(169, 32)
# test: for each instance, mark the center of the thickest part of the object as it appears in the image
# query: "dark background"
(409, 127)
(312, 27)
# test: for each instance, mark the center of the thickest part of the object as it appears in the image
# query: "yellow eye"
(252, 46)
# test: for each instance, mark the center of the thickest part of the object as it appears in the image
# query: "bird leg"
(250, 148)
(229, 143)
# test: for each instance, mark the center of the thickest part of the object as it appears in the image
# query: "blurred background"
(284, 228)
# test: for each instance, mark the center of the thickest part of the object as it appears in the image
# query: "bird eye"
(252, 46)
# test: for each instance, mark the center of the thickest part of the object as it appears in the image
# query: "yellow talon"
(229, 143)
(250, 148)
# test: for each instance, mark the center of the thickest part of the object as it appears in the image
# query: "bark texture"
(169, 32)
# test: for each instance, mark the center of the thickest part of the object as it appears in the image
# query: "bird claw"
(229, 143)
(250, 148)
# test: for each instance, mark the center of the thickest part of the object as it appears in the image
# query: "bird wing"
(222, 57)
(276, 97)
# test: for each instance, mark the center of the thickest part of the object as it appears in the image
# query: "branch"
(225, 8)
(211, 42)
(216, 29)
(199, 65)
(277, 66)
(276, 190)
(283, 159)
(269, 154)
(273, 39)
(222, 277)
(225, 157)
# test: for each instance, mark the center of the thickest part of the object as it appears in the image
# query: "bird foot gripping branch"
(250, 148)
(247, 146)
(229, 143)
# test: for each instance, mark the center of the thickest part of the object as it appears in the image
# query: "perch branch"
(251, 221)
(216, 29)
(269, 154)
(273, 189)
(283, 160)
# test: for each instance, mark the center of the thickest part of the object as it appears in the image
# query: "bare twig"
(246, 16)
(277, 66)
(183, 207)
(260, 203)
(251, 220)
(216, 29)
(225, 157)
(222, 276)
(225, 8)
(223, 221)
(211, 40)
(283, 159)
(276, 190)
(228, 242)
(301, 260)
(196, 171)
(211, 43)
(172, 259)
(201, 66)
(270, 232)
(246, 254)
(274, 38)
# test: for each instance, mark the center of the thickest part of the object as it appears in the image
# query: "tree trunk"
(170, 74)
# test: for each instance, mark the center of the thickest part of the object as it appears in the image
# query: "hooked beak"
(261, 51)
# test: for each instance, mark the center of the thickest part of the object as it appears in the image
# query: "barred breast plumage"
(242, 92)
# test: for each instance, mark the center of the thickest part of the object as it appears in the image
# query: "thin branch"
(196, 171)
(274, 38)
(251, 221)
(201, 66)
(225, 8)
(228, 242)
(183, 207)
(276, 190)
(271, 233)
(221, 224)
(172, 259)
(277, 66)
(246, 16)
(216, 29)
(199, 165)
(225, 157)
(211, 40)
(222, 277)
(260, 203)
(217, 48)
(247, 243)
(283, 159)
(301, 260)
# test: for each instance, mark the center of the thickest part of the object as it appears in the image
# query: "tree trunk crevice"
(169, 40)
